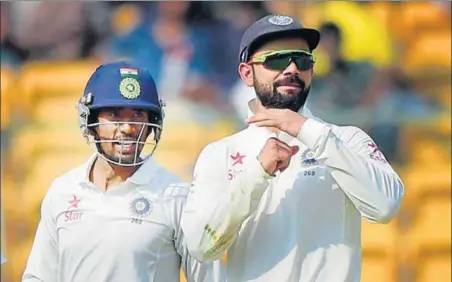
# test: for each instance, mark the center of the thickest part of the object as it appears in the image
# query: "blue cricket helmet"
(120, 85)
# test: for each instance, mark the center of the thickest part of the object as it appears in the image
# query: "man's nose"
(291, 69)
(125, 127)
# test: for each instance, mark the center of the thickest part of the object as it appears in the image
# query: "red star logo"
(74, 202)
(238, 159)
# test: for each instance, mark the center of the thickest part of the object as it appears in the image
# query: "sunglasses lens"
(303, 62)
(280, 62)
(277, 63)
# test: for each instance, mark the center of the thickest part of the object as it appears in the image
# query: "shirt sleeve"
(358, 167)
(195, 271)
(221, 198)
(3, 259)
(42, 263)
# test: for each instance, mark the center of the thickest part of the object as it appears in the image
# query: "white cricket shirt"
(304, 225)
(3, 259)
(129, 233)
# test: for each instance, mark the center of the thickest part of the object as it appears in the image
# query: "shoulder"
(227, 143)
(350, 134)
(68, 181)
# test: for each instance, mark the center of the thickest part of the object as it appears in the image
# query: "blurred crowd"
(191, 49)
(384, 66)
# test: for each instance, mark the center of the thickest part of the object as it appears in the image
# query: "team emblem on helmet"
(280, 20)
(308, 158)
(130, 88)
(141, 206)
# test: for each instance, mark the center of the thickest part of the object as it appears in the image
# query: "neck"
(257, 107)
(105, 175)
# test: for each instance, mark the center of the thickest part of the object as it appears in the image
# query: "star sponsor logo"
(237, 159)
(376, 154)
(74, 201)
(71, 214)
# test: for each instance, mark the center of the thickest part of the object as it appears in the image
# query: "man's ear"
(246, 74)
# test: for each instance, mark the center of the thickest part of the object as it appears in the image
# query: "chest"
(121, 225)
(306, 186)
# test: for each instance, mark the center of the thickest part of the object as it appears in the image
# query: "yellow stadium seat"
(413, 16)
(382, 11)
(182, 277)
(7, 93)
(431, 229)
(445, 97)
(426, 180)
(57, 110)
(46, 168)
(426, 150)
(42, 79)
(420, 55)
(378, 237)
(17, 258)
(444, 124)
(378, 244)
(32, 141)
(436, 267)
(378, 268)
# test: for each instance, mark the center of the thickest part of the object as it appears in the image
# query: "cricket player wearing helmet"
(285, 196)
(116, 217)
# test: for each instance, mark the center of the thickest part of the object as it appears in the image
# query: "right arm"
(221, 198)
(42, 265)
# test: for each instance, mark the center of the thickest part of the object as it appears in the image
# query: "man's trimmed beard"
(271, 98)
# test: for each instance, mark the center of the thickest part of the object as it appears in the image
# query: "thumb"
(294, 149)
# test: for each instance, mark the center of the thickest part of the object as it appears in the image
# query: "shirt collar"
(142, 176)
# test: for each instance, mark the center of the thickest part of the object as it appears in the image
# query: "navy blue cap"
(272, 27)
(123, 85)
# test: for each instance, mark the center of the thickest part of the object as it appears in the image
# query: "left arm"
(358, 167)
(194, 270)
(352, 158)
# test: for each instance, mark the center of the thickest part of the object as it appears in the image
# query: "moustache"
(291, 81)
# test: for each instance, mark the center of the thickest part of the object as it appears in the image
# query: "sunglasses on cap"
(280, 60)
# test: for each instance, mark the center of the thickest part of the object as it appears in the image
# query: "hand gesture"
(276, 155)
(282, 119)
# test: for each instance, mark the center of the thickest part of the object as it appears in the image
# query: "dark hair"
(199, 13)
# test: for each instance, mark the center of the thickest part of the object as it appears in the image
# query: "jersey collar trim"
(142, 176)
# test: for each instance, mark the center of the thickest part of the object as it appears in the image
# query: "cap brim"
(127, 104)
(312, 37)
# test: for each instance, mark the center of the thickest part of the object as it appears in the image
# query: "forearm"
(374, 188)
(211, 223)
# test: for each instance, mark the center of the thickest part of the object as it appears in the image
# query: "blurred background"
(383, 66)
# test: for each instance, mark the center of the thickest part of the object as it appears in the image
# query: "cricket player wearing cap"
(116, 217)
(285, 196)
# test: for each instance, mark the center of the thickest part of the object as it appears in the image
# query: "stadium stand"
(38, 116)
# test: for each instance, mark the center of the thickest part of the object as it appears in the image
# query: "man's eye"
(139, 114)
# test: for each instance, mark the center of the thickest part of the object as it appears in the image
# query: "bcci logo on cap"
(141, 206)
(280, 20)
(129, 86)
